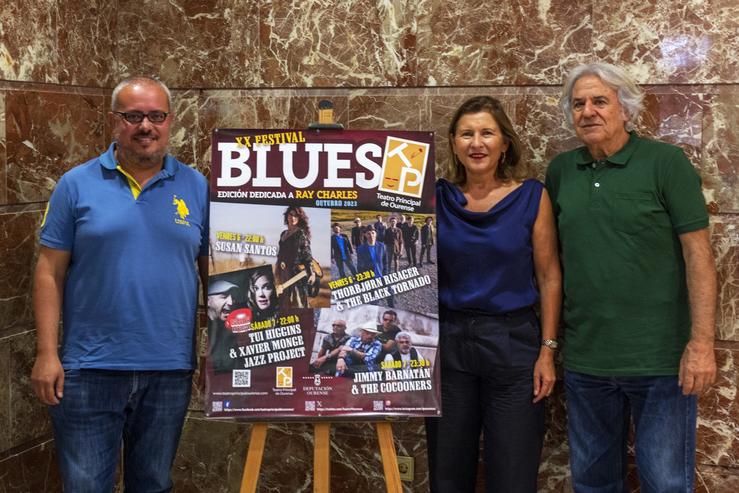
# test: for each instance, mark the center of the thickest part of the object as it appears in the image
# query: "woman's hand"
(544, 374)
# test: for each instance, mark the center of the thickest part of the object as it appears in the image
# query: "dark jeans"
(144, 409)
(598, 413)
(340, 264)
(487, 386)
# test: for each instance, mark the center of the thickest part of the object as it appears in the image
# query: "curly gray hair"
(405, 334)
(630, 95)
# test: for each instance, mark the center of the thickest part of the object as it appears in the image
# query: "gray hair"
(630, 95)
(139, 79)
(404, 333)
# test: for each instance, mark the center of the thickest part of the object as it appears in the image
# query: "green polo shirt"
(626, 308)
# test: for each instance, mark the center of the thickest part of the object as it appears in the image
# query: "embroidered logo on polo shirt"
(182, 211)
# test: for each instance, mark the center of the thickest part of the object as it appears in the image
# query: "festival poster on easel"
(322, 292)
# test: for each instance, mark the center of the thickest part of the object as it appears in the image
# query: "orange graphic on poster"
(404, 166)
(284, 377)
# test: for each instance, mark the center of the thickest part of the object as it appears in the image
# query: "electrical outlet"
(405, 467)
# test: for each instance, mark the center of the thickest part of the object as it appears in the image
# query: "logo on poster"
(404, 166)
(284, 377)
(239, 321)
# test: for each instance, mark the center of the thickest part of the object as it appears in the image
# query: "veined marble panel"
(197, 399)
(212, 453)
(716, 481)
(392, 112)
(86, 38)
(668, 42)
(554, 471)
(261, 109)
(209, 43)
(184, 134)
(482, 43)
(410, 441)
(29, 418)
(725, 240)
(210, 456)
(18, 248)
(720, 154)
(47, 134)
(28, 34)
(718, 415)
(330, 43)
(5, 439)
(32, 470)
(674, 115)
(3, 152)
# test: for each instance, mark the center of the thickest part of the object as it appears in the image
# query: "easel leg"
(389, 459)
(321, 459)
(254, 458)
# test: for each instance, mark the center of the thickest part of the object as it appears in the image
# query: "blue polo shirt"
(130, 295)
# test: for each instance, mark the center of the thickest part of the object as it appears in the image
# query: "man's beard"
(141, 160)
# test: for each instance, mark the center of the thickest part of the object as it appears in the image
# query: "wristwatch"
(550, 343)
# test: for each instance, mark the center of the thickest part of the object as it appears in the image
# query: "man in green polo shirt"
(640, 290)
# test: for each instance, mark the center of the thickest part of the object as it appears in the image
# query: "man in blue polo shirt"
(122, 241)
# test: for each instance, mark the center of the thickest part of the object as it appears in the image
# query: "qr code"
(217, 406)
(377, 406)
(310, 405)
(241, 378)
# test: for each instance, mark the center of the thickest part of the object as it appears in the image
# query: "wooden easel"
(321, 460)
(321, 441)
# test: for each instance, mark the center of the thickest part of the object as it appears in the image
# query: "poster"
(322, 291)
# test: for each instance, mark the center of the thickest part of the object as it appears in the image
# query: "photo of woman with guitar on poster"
(295, 265)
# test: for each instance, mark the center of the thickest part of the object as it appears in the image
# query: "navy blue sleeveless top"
(486, 260)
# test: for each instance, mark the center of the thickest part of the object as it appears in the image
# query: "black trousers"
(410, 253)
(487, 387)
(427, 250)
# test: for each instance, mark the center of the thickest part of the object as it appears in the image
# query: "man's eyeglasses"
(138, 117)
(387, 319)
(338, 325)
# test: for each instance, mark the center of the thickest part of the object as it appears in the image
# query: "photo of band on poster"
(322, 292)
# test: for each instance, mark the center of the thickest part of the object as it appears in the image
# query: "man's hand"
(697, 367)
(698, 363)
(319, 361)
(47, 379)
(341, 365)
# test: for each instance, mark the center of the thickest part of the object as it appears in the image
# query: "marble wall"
(384, 64)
